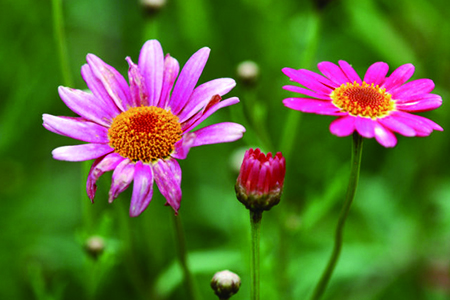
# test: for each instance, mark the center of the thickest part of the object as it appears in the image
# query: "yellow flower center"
(145, 133)
(363, 100)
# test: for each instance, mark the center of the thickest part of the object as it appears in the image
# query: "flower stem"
(351, 189)
(182, 255)
(255, 223)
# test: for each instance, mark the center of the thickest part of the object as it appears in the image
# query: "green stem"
(351, 189)
(182, 255)
(255, 222)
(60, 40)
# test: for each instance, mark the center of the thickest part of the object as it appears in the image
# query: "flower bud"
(225, 284)
(248, 72)
(94, 246)
(260, 181)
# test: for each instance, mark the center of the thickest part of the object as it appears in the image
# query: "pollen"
(145, 133)
(363, 100)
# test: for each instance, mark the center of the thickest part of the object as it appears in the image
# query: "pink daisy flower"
(376, 106)
(140, 129)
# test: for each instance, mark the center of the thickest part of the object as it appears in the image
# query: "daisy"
(376, 106)
(139, 129)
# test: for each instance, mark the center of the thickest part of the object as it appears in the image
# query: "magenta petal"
(121, 179)
(343, 126)
(310, 80)
(425, 103)
(297, 89)
(88, 106)
(76, 128)
(142, 189)
(394, 124)
(218, 133)
(349, 72)
(106, 83)
(188, 79)
(384, 136)
(309, 105)
(171, 69)
(183, 146)
(333, 72)
(138, 90)
(100, 166)
(81, 152)
(168, 179)
(365, 127)
(151, 66)
(398, 77)
(413, 88)
(423, 126)
(376, 73)
(203, 93)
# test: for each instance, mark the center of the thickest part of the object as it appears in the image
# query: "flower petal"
(365, 127)
(203, 93)
(171, 69)
(343, 126)
(413, 88)
(188, 79)
(81, 152)
(138, 89)
(100, 166)
(76, 128)
(333, 72)
(121, 178)
(424, 103)
(398, 77)
(297, 89)
(394, 124)
(88, 106)
(309, 105)
(183, 146)
(384, 136)
(142, 189)
(421, 125)
(105, 82)
(218, 133)
(376, 73)
(311, 80)
(151, 66)
(168, 179)
(349, 72)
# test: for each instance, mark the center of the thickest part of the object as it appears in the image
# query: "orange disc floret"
(145, 133)
(363, 100)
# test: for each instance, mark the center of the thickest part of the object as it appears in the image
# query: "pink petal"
(398, 77)
(121, 179)
(203, 93)
(76, 128)
(167, 175)
(333, 72)
(413, 88)
(396, 125)
(105, 82)
(183, 146)
(218, 133)
(100, 166)
(188, 79)
(88, 106)
(343, 126)
(142, 189)
(81, 152)
(365, 127)
(311, 80)
(151, 66)
(349, 72)
(376, 73)
(138, 89)
(309, 105)
(424, 103)
(421, 125)
(384, 136)
(171, 69)
(297, 89)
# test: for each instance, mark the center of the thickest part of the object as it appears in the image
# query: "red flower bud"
(260, 181)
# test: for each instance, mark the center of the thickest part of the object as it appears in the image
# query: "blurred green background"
(397, 239)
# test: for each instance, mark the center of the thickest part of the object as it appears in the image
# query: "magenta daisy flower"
(140, 129)
(376, 106)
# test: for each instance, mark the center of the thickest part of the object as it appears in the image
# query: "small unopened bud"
(248, 72)
(95, 246)
(260, 181)
(225, 284)
(152, 6)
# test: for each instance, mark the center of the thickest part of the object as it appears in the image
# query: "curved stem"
(255, 222)
(351, 189)
(182, 255)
